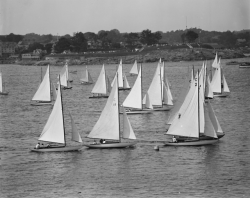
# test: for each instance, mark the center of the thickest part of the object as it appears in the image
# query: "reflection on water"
(220, 170)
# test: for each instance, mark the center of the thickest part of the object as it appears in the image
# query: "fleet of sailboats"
(2, 85)
(195, 121)
(102, 86)
(86, 78)
(43, 93)
(192, 121)
(54, 130)
(108, 125)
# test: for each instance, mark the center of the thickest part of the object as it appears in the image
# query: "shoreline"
(176, 55)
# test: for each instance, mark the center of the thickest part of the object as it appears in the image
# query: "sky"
(68, 16)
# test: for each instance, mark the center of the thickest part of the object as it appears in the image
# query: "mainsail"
(107, 126)
(134, 69)
(43, 92)
(54, 128)
(101, 83)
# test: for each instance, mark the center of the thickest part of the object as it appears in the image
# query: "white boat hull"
(110, 145)
(192, 143)
(58, 149)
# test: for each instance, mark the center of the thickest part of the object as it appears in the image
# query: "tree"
(62, 44)
(79, 43)
(131, 38)
(149, 38)
(189, 36)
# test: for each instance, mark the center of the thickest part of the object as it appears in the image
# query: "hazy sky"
(67, 16)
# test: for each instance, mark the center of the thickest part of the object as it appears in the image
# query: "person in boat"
(48, 145)
(102, 141)
(174, 139)
(38, 145)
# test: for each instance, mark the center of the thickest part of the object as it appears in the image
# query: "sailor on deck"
(38, 145)
(174, 139)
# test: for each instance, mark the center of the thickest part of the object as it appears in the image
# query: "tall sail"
(215, 63)
(186, 123)
(54, 128)
(154, 90)
(75, 135)
(120, 76)
(107, 126)
(216, 81)
(209, 128)
(43, 92)
(128, 131)
(1, 82)
(214, 119)
(208, 91)
(134, 69)
(100, 85)
(134, 98)
(166, 95)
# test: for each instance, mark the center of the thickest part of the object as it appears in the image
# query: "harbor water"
(219, 170)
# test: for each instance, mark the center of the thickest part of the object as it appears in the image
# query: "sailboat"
(133, 102)
(86, 79)
(219, 83)
(122, 79)
(134, 69)
(108, 125)
(2, 86)
(159, 92)
(102, 86)
(54, 130)
(43, 93)
(64, 76)
(194, 119)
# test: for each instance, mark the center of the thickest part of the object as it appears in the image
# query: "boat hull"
(222, 95)
(192, 143)
(219, 135)
(110, 145)
(98, 96)
(57, 149)
(4, 93)
(41, 103)
(123, 89)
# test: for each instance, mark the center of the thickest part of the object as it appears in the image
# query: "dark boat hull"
(192, 143)
(4, 93)
(123, 89)
(98, 96)
(110, 145)
(57, 149)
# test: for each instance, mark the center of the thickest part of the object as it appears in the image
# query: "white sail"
(215, 63)
(134, 69)
(134, 98)
(125, 83)
(148, 104)
(107, 126)
(43, 92)
(180, 100)
(209, 92)
(1, 82)
(86, 77)
(54, 128)
(209, 128)
(120, 76)
(128, 131)
(166, 95)
(225, 86)
(186, 123)
(214, 119)
(216, 81)
(75, 135)
(202, 99)
(154, 90)
(100, 85)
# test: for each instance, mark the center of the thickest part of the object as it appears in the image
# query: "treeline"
(113, 39)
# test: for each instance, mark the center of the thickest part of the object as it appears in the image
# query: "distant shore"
(175, 55)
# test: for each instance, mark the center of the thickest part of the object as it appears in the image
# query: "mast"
(50, 85)
(161, 88)
(198, 106)
(41, 74)
(141, 89)
(62, 112)
(118, 108)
